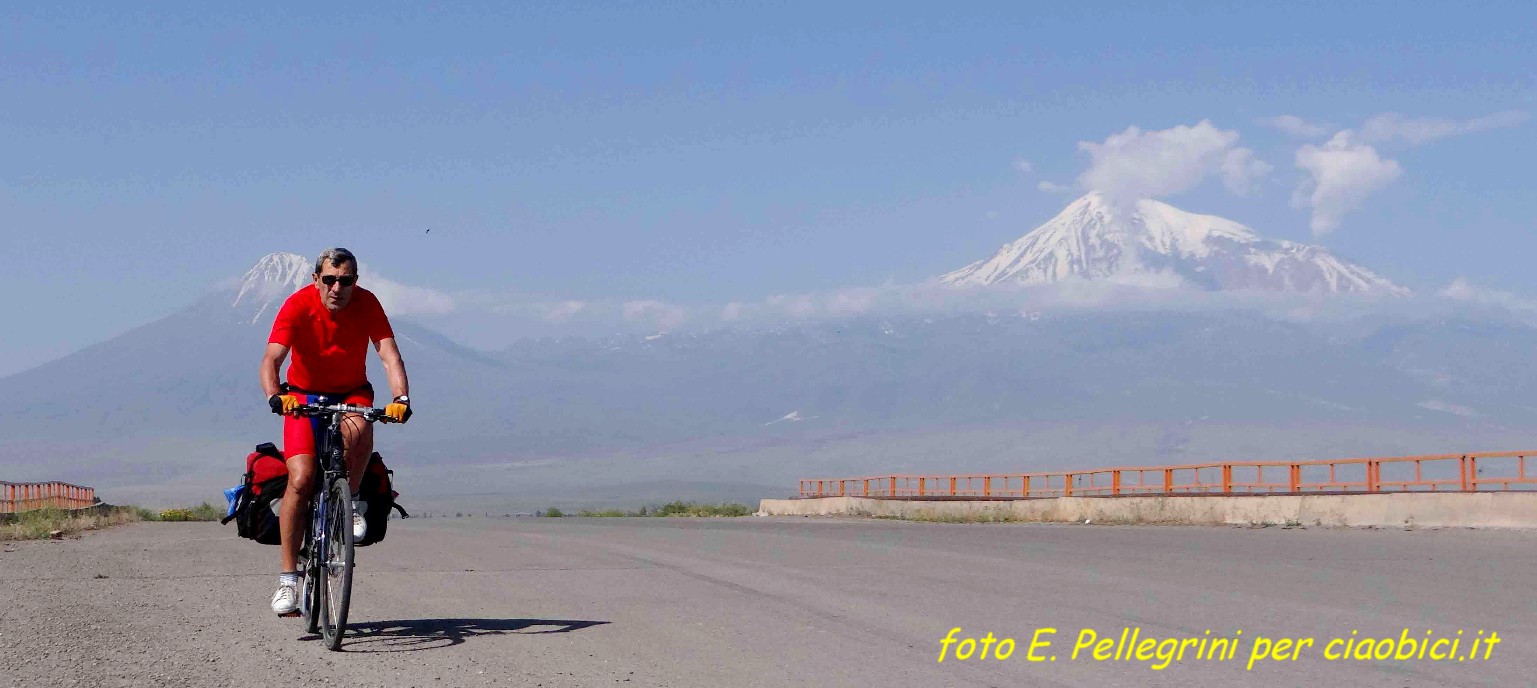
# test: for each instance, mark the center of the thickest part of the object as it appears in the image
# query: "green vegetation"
(605, 513)
(201, 512)
(45, 523)
(674, 508)
(553, 512)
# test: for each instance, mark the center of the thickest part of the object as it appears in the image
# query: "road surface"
(773, 602)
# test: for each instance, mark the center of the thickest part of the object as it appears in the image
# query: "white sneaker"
(359, 526)
(286, 600)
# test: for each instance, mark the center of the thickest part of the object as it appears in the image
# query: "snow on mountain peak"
(270, 281)
(1094, 239)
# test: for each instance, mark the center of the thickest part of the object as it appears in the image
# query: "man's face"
(335, 296)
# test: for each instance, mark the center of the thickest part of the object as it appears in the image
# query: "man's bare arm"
(272, 363)
(394, 368)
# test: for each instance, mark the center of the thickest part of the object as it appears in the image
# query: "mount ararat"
(1150, 242)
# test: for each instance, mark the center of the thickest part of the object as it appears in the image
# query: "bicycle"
(327, 549)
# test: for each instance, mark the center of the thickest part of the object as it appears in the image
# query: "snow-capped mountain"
(264, 287)
(1153, 242)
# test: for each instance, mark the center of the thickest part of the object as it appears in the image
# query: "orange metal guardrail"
(1433, 473)
(16, 497)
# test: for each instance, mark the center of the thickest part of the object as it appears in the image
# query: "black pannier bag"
(378, 491)
(252, 508)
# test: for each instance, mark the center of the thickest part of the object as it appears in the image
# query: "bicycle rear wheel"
(336, 586)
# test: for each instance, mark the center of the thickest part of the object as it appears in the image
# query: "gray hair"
(338, 257)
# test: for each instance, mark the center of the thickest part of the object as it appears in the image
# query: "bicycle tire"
(336, 586)
(309, 595)
(309, 599)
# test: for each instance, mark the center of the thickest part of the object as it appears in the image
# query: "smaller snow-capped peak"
(791, 417)
(1149, 242)
(270, 281)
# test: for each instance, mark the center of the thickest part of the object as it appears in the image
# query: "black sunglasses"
(346, 280)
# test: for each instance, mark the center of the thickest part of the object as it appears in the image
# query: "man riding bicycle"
(327, 326)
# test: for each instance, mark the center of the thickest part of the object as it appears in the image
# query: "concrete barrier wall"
(1417, 509)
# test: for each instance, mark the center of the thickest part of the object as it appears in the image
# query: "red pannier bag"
(254, 512)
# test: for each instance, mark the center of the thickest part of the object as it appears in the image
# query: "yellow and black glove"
(283, 404)
(399, 410)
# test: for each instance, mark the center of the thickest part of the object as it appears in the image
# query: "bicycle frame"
(318, 550)
(331, 462)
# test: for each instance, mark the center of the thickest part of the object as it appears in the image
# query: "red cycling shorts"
(299, 433)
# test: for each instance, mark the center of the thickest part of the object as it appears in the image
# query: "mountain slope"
(176, 401)
(1156, 243)
(182, 394)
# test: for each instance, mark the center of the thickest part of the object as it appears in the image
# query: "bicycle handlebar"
(369, 414)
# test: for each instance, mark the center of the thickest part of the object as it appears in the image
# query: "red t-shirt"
(329, 350)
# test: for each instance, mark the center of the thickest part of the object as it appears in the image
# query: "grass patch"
(673, 508)
(201, 512)
(41, 524)
(605, 513)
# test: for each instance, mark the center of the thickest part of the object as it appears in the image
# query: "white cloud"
(1342, 173)
(1461, 290)
(664, 316)
(1454, 409)
(1420, 130)
(1347, 169)
(401, 299)
(1240, 169)
(564, 310)
(1023, 165)
(1163, 279)
(518, 316)
(1138, 164)
(852, 301)
(1050, 187)
(794, 305)
(1298, 127)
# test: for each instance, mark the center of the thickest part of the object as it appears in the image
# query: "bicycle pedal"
(289, 615)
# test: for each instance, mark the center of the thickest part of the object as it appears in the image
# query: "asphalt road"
(768, 602)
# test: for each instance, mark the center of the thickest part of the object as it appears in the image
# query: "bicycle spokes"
(336, 564)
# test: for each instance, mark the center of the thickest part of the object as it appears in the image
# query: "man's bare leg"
(292, 514)
(358, 438)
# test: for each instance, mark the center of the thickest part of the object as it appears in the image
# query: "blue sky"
(689, 153)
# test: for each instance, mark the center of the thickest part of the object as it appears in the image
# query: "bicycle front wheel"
(309, 592)
(336, 588)
(309, 599)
